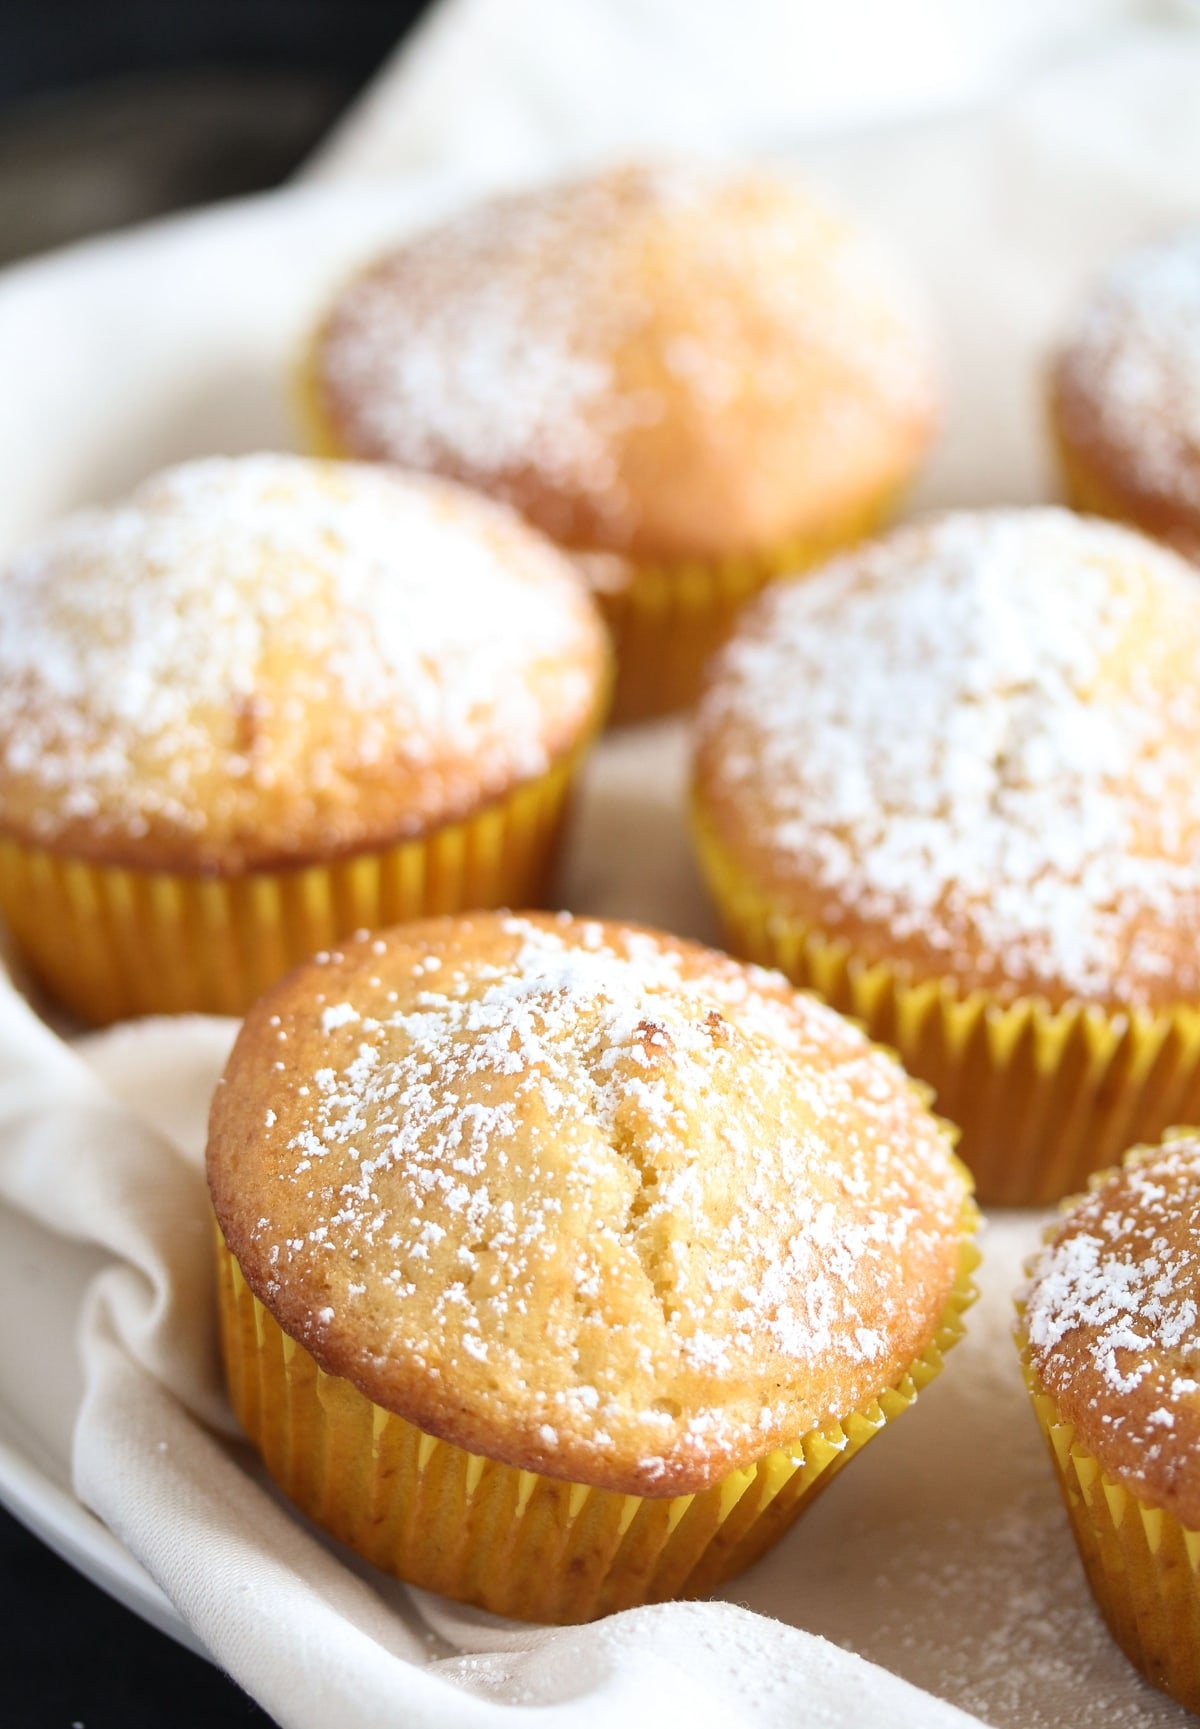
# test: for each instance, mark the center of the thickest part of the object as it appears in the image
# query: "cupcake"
(266, 702)
(689, 378)
(1125, 394)
(561, 1263)
(1110, 1341)
(953, 783)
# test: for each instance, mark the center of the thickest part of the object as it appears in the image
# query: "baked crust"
(664, 363)
(972, 750)
(265, 661)
(1124, 393)
(1110, 1323)
(582, 1198)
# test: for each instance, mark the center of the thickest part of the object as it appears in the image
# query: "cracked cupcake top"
(973, 748)
(1112, 1328)
(584, 1198)
(262, 659)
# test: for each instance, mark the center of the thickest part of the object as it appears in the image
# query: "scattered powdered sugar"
(575, 1169)
(245, 625)
(1133, 364)
(982, 733)
(1006, 1629)
(1114, 1297)
(492, 346)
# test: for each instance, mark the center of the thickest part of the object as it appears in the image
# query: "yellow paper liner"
(110, 942)
(1140, 1562)
(667, 619)
(1042, 1096)
(516, 1542)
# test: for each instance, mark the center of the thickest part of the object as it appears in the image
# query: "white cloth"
(942, 1555)
(486, 86)
(105, 1144)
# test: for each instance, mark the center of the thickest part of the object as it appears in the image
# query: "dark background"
(115, 110)
(112, 111)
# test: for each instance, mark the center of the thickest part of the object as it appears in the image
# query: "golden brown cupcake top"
(1112, 1325)
(265, 659)
(1125, 386)
(973, 749)
(583, 1198)
(663, 362)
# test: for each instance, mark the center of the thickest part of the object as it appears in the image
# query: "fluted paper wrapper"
(666, 620)
(111, 943)
(1141, 1563)
(519, 1543)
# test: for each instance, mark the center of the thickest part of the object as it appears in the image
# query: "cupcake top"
(1112, 1329)
(973, 749)
(583, 1198)
(1126, 385)
(264, 659)
(664, 362)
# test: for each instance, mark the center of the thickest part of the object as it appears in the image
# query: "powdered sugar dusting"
(244, 632)
(981, 735)
(1114, 1298)
(630, 1196)
(1132, 366)
(491, 347)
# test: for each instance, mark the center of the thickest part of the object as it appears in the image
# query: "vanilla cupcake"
(266, 702)
(1110, 1342)
(1125, 393)
(953, 783)
(692, 378)
(561, 1263)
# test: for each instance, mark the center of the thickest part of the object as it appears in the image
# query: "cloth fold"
(103, 1144)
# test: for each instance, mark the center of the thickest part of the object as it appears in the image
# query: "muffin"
(266, 702)
(1110, 1344)
(1125, 394)
(560, 1262)
(953, 783)
(689, 378)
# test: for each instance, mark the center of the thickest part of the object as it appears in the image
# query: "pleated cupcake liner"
(668, 619)
(1042, 1096)
(1142, 1565)
(111, 942)
(513, 1541)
